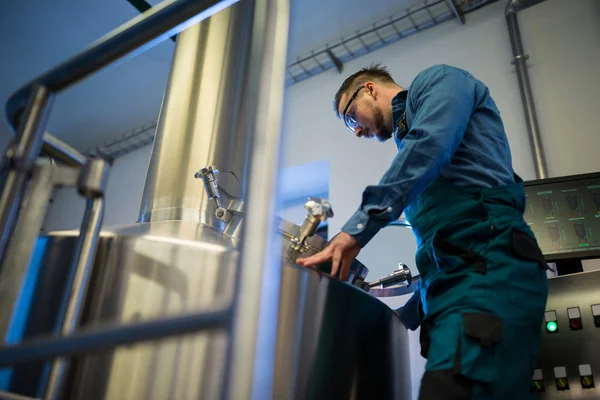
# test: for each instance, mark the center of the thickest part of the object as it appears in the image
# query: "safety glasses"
(350, 118)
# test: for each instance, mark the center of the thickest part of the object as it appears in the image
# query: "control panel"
(569, 362)
(564, 215)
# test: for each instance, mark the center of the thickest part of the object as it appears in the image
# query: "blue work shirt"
(454, 130)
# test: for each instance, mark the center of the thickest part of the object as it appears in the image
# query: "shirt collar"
(398, 110)
(399, 106)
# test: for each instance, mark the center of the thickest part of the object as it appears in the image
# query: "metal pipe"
(252, 355)
(109, 337)
(459, 17)
(22, 155)
(12, 396)
(142, 32)
(92, 184)
(60, 151)
(520, 62)
(198, 123)
(17, 260)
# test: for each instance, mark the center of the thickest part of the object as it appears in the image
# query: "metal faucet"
(319, 210)
(401, 275)
(208, 176)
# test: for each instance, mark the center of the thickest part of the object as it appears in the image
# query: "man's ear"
(372, 89)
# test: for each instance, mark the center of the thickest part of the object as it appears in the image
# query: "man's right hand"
(341, 251)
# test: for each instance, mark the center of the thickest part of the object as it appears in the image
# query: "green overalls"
(483, 291)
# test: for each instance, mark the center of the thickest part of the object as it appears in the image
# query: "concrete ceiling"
(36, 35)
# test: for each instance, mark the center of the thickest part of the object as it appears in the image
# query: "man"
(483, 283)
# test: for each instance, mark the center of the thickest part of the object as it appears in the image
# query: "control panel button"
(587, 378)
(551, 321)
(560, 377)
(596, 314)
(574, 318)
(538, 382)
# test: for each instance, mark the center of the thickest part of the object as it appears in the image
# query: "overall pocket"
(457, 268)
(450, 257)
(528, 281)
(464, 349)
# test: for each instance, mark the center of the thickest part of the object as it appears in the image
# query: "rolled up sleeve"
(442, 100)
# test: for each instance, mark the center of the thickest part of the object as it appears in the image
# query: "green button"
(551, 326)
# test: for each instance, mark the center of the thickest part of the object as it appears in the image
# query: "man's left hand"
(341, 251)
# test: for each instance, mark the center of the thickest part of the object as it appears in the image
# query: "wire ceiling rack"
(373, 37)
(333, 55)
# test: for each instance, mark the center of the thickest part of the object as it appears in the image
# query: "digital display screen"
(564, 215)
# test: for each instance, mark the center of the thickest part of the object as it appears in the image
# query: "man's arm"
(442, 100)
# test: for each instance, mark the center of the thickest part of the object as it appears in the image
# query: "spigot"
(401, 275)
(319, 210)
(209, 178)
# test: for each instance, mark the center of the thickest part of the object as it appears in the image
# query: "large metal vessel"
(202, 298)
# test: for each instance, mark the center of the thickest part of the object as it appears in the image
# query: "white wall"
(565, 88)
(562, 39)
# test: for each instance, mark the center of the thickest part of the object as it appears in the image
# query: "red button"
(575, 323)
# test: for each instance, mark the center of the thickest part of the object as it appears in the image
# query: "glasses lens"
(351, 122)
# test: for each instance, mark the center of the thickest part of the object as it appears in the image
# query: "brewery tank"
(331, 339)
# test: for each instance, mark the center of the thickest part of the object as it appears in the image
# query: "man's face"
(365, 114)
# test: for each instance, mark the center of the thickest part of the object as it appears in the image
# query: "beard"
(382, 127)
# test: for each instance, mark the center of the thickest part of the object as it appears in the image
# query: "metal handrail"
(259, 278)
(141, 33)
(60, 151)
(33, 102)
(29, 108)
(111, 336)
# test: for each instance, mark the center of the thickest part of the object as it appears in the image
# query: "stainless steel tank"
(333, 339)
(282, 331)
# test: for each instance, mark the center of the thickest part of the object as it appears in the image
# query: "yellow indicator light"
(538, 386)
(562, 383)
(587, 382)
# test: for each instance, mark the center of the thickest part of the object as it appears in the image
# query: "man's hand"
(341, 251)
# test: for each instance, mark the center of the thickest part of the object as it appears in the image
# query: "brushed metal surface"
(314, 244)
(567, 348)
(333, 341)
(198, 123)
(153, 270)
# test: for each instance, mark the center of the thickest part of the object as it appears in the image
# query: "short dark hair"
(373, 72)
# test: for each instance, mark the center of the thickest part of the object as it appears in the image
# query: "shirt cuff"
(361, 227)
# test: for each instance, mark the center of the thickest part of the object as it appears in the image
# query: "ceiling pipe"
(520, 61)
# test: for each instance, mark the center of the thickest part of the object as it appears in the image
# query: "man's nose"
(359, 131)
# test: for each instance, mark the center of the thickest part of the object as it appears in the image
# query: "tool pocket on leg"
(454, 264)
(450, 257)
(472, 361)
(528, 283)
(479, 351)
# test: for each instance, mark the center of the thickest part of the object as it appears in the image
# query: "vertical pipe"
(92, 183)
(22, 155)
(19, 251)
(86, 250)
(251, 361)
(520, 62)
(18, 274)
(198, 120)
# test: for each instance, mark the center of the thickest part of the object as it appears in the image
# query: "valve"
(401, 275)
(318, 210)
(208, 176)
